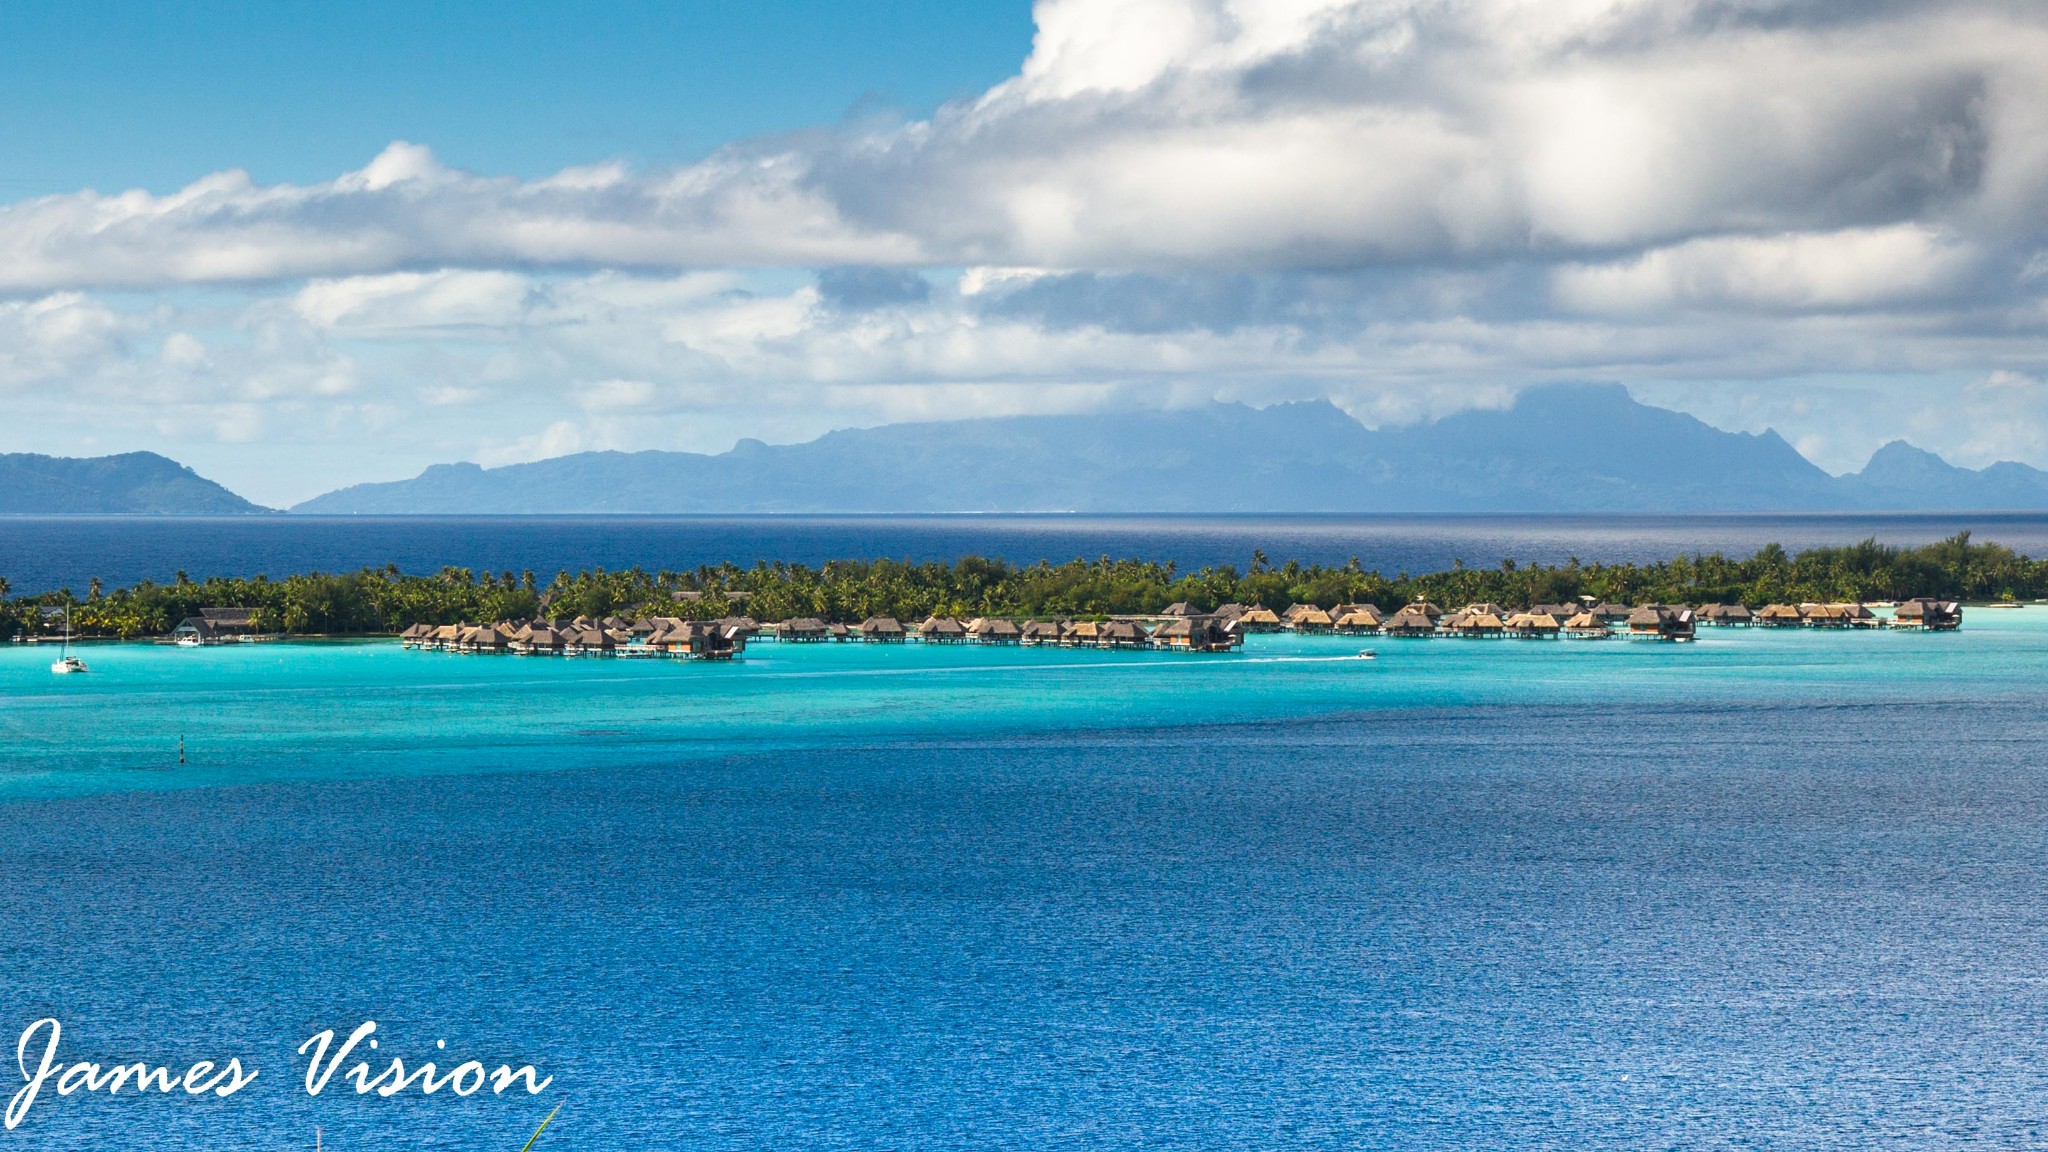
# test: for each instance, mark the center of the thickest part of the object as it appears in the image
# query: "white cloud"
(1837, 270)
(1408, 205)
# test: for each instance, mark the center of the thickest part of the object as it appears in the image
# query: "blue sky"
(300, 246)
(125, 94)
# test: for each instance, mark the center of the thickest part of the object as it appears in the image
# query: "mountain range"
(1563, 448)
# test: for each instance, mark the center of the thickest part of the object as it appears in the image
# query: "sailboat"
(66, 662)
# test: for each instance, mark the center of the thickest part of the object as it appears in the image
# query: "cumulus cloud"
(1225, 135)
(1408, 205)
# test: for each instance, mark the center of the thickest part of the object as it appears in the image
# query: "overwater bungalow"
(1314, 621)
(1357, 620)
(942, 630)
(1563, 612)
(882, 630)
(415, 635)
(701, 640)
(1196, 634)
(1473, 624)
(1778, 616)
(1425, 609)
(1928, 614)
(1860, 616)
(1227, 612)
(1122, 634)
(541, 641)
(1611, 612)
(1587, 626)
(1533, 626)
(1409, 621)
(1725, 615)
(1039, 633)
(1661, 622)
(1180, 608)
(1083, 634)
(839, 632)
(993, 630)
(1258, 618)
(1824, 615)
(802, 630)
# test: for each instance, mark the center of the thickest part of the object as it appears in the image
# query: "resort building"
(1778, 616)
(942, 630)
(1356, 620)
(1587, 626)
(1725, 615)
(990, 630)
(217, 626)
(803, 630)
(1410, 621)
(1661, 622)
(882, 630)
(1123, 634)
(1196, 634)
(1257, 618)
(1928, 614)
(1533, 625)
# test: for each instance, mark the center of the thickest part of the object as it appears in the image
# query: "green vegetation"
(374, 601)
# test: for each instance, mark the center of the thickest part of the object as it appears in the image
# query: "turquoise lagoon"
(1775, 889)
(330, 710)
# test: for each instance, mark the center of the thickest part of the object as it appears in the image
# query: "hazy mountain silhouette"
(1561, 448)
(130, 482)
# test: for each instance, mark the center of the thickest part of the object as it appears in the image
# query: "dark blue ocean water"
(43, 553)
(1774, 890)
(1780, 927)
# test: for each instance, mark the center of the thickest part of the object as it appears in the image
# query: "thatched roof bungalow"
(1038, 633)
(1587, 626)
(942, 630)
(1778, 616)
(1661, 622)
(1409, 621)
(1611, 612)
(1474, 624)
(1258, 618)
(993, 630)
(1928, 614)
(1196, 634)
(1122, 634)
(882, 630)
(1533, 625)
(1312, 621)
(1357, 620)
(802, 630)
(1726, 615)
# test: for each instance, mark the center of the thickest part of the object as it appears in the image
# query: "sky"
(298, 247)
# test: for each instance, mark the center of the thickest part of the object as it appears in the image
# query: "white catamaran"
(66, 662)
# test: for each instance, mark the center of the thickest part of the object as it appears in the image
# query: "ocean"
(1775, 889)
(40, 554)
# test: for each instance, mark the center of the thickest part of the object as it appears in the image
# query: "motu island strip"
(1104, 603)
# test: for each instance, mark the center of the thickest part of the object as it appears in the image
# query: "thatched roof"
(881, 626)
(941, 626)
(1179, 608)
(991, 626)
(1258, 614)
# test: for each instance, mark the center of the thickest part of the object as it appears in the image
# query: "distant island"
(386, 601)
(132, 482)
(1561, 448)
(1565, 448)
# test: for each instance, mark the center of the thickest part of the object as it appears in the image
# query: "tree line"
(386, 600)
